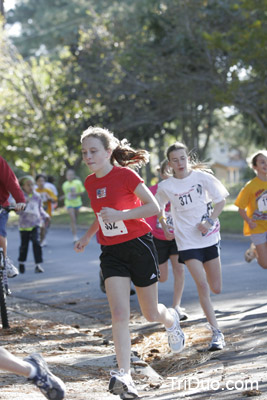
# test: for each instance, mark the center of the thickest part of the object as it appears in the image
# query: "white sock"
(33, 372)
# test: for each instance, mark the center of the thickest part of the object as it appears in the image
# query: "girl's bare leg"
(73, 219)
(178, 285)
(13, 364)
(118, 293)
(199, 275)
(261, 254)
(152, 311)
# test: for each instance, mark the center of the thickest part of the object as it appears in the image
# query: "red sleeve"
(132, 179)
(9, 184)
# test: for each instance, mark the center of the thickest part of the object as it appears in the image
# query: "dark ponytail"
(125, 155)
(122, 152)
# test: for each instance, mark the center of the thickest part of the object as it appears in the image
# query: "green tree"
(41, 118)
(242, 45)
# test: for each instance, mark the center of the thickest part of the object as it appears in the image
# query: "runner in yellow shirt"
(48, 198)
(252, 203)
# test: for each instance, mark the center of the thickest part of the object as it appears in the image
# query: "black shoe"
(21, 268)
(132, 292)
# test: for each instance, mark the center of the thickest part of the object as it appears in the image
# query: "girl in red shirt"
(121, 201)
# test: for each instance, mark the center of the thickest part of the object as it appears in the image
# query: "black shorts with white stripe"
(136, 259)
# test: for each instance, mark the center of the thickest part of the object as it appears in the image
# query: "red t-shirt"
(116, 190)
(9, 184)
(153, 221)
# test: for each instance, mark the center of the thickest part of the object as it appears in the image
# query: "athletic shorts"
(136, 259)
(203, 255)
(3, 221)
(165, 249)
(259, 238)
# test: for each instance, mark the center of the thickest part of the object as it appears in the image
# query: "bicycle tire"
(4, 315)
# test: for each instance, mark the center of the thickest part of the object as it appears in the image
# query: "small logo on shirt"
(153, 276)
(100, 193)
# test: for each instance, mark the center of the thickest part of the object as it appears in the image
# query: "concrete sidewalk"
(79, 349)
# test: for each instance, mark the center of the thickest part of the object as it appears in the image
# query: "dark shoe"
(38, 269)
(51, 386)
(21, 268)
(132, 292)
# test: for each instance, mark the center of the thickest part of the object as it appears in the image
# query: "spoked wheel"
(3, 307)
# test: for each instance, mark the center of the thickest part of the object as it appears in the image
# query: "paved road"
(71, 280)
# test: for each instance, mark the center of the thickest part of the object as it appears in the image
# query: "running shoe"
(250, 253)
(11, 269)
(43, 243)
(181, 313)
(21, 268)
(38, 268)
(122, 384)
(51, 386)
(176, 338)
(75, 239)
(217, 341)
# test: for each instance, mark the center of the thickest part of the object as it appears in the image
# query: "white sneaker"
(217, 341)
(176, 338)
(181, 313)
(43, 243)
(75, 239)
(11, 269)
(122, 384)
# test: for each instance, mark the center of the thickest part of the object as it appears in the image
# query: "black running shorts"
(136, 259)
(203, 255)
(165, 249)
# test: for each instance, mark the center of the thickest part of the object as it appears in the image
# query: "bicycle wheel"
(3, 307)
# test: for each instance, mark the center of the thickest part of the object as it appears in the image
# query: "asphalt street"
(66, 299)
(71, 280)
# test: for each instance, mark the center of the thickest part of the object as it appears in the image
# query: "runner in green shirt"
(73, 189)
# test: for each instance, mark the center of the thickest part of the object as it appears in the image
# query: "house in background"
(228, 165)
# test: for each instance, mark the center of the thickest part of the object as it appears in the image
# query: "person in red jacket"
(8, 185)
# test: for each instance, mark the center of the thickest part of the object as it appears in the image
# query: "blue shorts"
(203, 255)
(3, 221)
(259, 238)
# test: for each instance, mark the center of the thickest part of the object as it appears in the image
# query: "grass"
(61, 217)
(230, 220)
